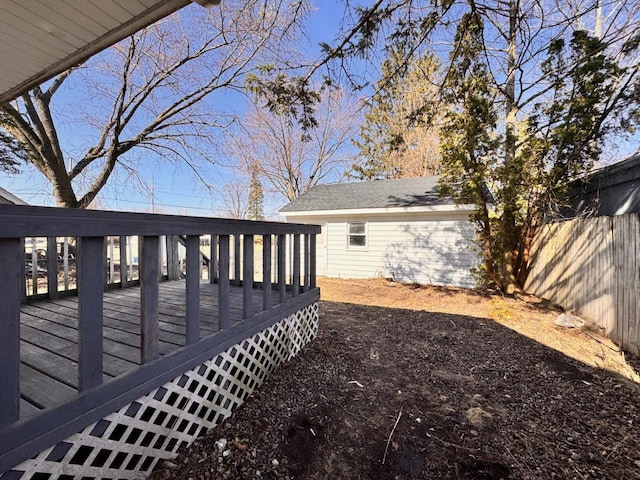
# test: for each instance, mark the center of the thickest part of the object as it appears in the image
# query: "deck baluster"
(213, 259)
(123, 262)
(312, 261)
(223, 283)
(34, 266)
(12, 255)
(23, 271)
(296, 264)
(52, 268)
(90, 277)
(194, 272)
(65, 262)
(266, 272)
(247, 277)
(149, 297)
(307, 261)
(112, 263)
(282, 267)
(236, 260)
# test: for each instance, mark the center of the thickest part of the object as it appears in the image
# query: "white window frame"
(365, 235)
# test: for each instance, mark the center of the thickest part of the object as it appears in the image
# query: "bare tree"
(292, 159)
(235, 196)
(151, 93)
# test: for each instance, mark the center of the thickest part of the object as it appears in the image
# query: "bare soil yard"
(432, 383)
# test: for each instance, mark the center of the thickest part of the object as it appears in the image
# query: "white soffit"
(42, 38)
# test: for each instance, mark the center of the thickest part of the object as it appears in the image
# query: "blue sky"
(175, 188)
(170, 188)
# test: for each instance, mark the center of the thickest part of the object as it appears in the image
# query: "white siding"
(428, 248)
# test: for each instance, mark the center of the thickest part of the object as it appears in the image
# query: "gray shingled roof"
(405, 192)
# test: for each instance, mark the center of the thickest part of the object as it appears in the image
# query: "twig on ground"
(355, 414)
(616, 448)
(449, 444)
(384, 458)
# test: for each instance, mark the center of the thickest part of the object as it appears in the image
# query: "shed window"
(357, 236)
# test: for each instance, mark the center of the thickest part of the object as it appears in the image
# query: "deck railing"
(286, 265)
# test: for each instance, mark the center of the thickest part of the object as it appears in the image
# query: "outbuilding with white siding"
(398, 229)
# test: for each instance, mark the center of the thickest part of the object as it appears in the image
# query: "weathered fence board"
(592, 266)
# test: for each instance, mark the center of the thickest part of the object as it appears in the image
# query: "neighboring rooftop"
(611, 190)
(7, 197)
(405, 192)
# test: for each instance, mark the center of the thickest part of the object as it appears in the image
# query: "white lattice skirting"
(127, 444)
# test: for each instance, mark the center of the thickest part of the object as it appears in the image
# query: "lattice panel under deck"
(128, 443)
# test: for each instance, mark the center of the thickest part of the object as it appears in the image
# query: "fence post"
(12, 255)
(90, 278)
(194, 272)
(148, 265)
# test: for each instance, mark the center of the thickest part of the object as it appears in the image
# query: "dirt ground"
(432, 383)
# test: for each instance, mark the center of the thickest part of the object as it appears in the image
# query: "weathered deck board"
(49, 337)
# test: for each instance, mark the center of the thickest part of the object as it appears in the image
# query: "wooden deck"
(68, 362)
(49, 337)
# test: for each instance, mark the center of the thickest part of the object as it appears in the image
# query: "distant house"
(612, 190)
(397, 229)
(8, 198)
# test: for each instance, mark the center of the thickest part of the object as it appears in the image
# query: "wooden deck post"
(90, 273)
(247, 277)
(12, 255)
(266, 272)
(149, 297)
(52, 268)
(223, 282)
(194, 272)
(282, 267)
(296, 264)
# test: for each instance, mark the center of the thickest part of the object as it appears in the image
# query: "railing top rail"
(18, 221)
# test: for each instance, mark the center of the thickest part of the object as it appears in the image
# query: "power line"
(139, 202)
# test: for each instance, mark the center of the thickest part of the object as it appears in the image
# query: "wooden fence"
(591, 266)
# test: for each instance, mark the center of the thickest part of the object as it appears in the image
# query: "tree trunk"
(510, 189)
